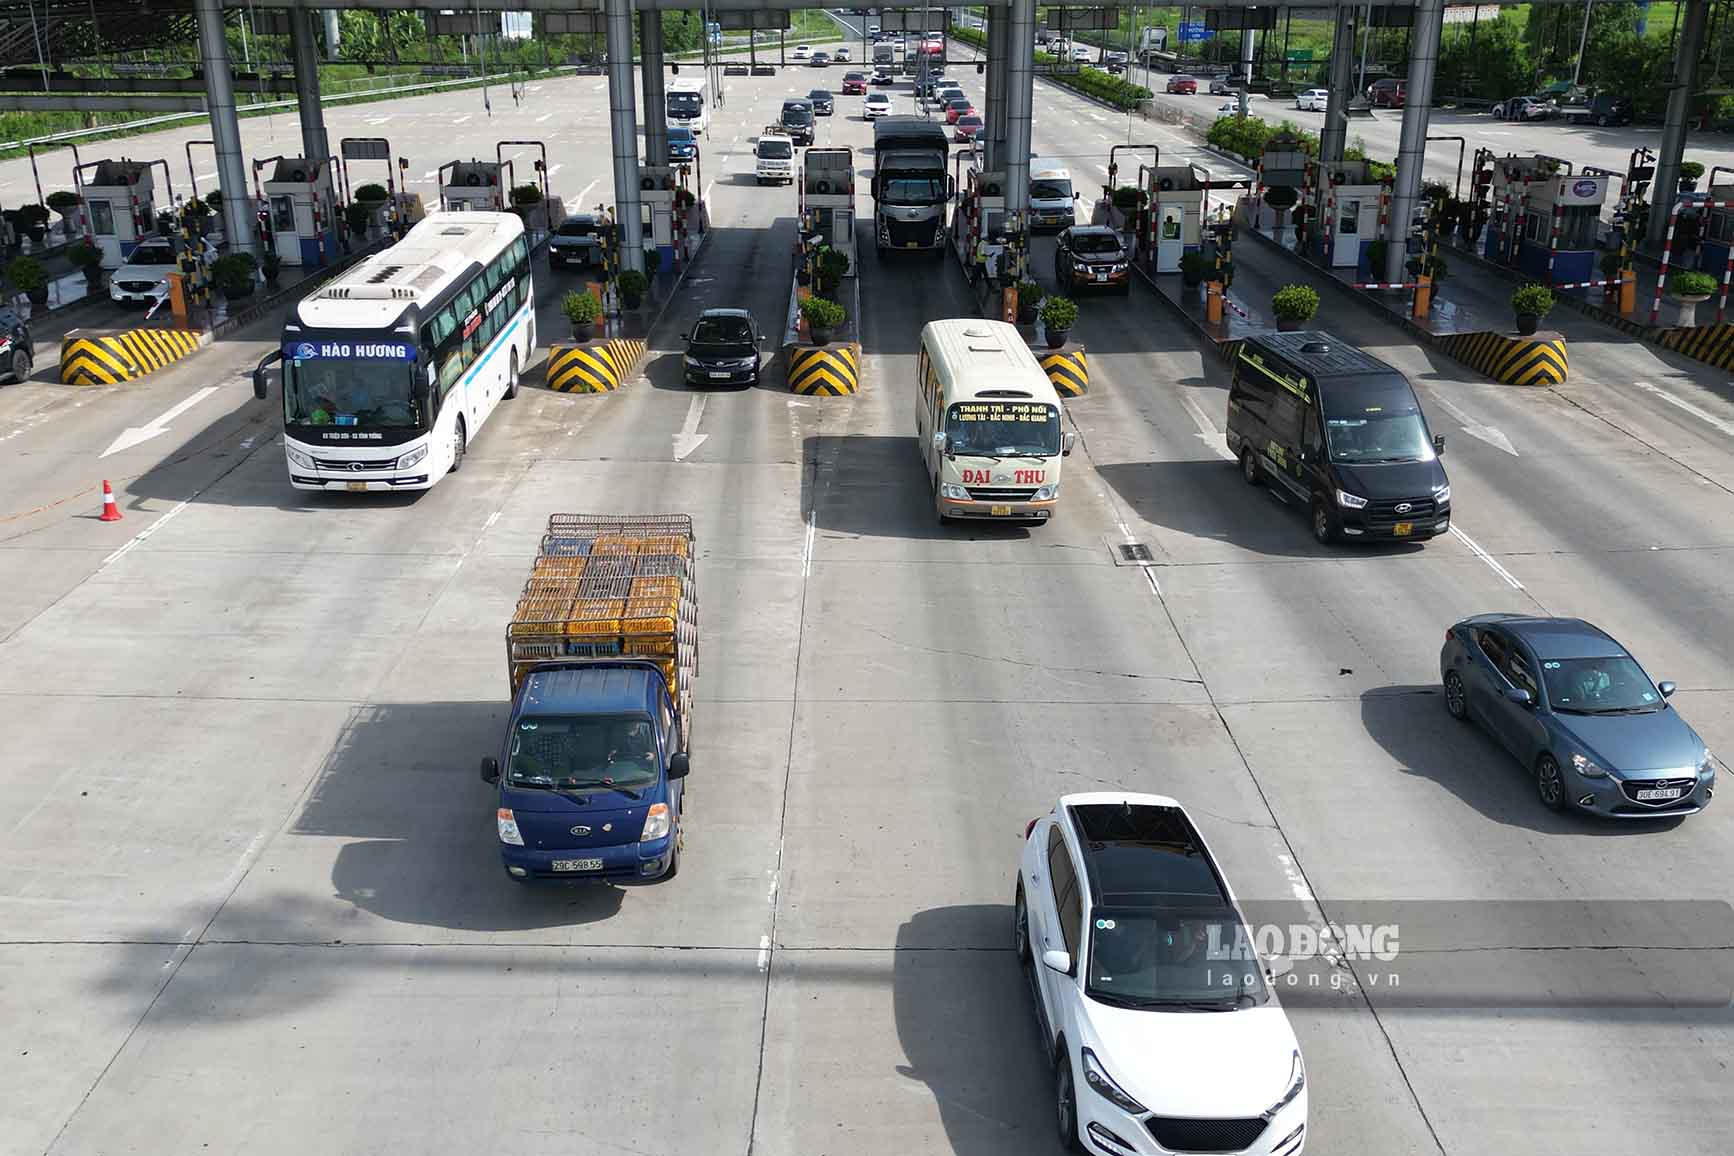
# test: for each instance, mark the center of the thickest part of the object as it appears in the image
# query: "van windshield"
(1050, 190)
(776, 150)
(1003, 429)
(565, 753)
(1375, 421)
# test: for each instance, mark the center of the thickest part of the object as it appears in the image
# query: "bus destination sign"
(349, 351)
(1033, 411)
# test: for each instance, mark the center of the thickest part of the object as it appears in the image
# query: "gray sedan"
(1579, 713)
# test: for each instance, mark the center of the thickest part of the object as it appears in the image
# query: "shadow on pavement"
(875, 486)
(967, 1025)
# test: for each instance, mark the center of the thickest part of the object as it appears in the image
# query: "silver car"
(1577, 712)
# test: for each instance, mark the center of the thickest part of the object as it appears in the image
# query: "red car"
(968, 126)
(1388, 92)
(1184, 85)
(854, 83)
(957, 107)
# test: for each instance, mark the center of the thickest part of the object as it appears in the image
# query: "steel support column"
(995, 135)
(1412, 142)
(1020, 82)
(1248, 44)
(305, 55)
(225, 129)
(1341, 83)
(623, 129)
(333, 33)
(1673, 147)
(655, 98)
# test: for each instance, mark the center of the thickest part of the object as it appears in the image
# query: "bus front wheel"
(458, 443)
(512, 378)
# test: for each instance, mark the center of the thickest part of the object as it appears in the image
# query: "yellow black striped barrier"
(90, 358)
(1509, 358)
(825, 370)
(594, 367)
(1068, 369)
(1711, 344)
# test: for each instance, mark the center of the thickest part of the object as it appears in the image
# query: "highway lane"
(279, 803)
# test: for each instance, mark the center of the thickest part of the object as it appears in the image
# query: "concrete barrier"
(109, 357)
(1711, 344)
(1536, 360)
(825, 370)
(1067, 368)
(593, 366)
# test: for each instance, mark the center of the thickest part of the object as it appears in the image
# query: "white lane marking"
(207, 176)
(585, 191)
(145, 533)
(807, 547)
(1206, 428)
(555, 167)
(430, 174)
(460, 120)
(135, 435)
(764, 952)
(1475, 429)
(707, 189)
(543, 117)
(380, 119)
(1492, 562)
(689, 439)
(1681, 403)
(599, 86)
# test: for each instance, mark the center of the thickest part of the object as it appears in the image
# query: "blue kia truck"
(601, 650)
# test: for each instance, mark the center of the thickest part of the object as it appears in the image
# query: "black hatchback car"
(722, 349)
(578, 241)
(1340, 431)
(823, 104)
(16, 352)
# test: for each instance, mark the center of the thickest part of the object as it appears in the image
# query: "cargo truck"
(600, 654)
(910, 183)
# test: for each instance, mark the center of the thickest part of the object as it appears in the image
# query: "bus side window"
(451, 370)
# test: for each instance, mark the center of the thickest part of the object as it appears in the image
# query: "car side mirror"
(686, 339)
(1278, 966)
(1519, 696)
(261, 388)
(1439, 444)
(939, 443)
(1060, 961)
(1066, 444)
(490, 770)
(1309, 455)
(677, 765)
(1667, 689)
(1077, 196)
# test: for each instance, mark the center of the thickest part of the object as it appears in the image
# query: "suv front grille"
(1631, 787)
(1386, 513)
(1001, 493)
(1185, 1134)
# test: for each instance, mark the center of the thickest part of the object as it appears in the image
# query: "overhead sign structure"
(572, 24)
(365, 148)
(1231, 19)
(914, 19)
(739, 20)
(1083, 19)
(1192, 32)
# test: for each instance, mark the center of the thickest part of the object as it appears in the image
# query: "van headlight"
(951, 491)
(1442, 494)
(1045, 493)
(1350, 501)
(412, 457)
(656, 823)
(297, 458)
(1297, 1081)
(508, 824)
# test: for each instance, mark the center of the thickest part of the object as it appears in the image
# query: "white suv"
(1313, 100)
(1163, 1039)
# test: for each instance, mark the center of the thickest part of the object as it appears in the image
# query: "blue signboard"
(1194, 32)
(349, 351)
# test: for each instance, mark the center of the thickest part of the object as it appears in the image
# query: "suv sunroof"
(1140, 854)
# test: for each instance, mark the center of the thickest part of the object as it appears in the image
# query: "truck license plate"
(1402, 529)
(577, 864)
(1657, 793)
(999, 511)
(358, 487)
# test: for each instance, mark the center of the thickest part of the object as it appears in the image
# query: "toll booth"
(1175, 199)
(1347, 202)
(472, 186)
(827, 198)
(980, 228)
(656, 186)
(119, 206)
(301, 203)
(1716, 237)
(1545, 222)
(1282, 179)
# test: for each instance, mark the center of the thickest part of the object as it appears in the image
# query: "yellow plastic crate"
(663, 544)
(591, 617)
(557, 566)
(614, 544)
(539, 615)
(656, 587)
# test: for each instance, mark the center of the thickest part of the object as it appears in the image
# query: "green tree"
(1492, 65)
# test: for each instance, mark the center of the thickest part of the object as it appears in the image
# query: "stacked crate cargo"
(612, 586)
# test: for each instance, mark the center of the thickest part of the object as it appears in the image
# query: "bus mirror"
(1066, 444)
(939, 446)
(261, 387)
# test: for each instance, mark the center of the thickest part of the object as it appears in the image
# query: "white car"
(149, 263)
(1127, 933)
(803, 51)
(875, 106)
(842, 52)
(1080, 52)
(1313, 100)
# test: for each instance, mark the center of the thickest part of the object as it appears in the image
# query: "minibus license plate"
(1402, 529)
(359, 487)
(577, 864)
(999, 511)
(1658, 793)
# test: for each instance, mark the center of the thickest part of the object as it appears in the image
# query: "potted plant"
(1029, 300)
(1281, 198)
(822, 318)
(30, 277)
(233, 274)
(1058, 315)
(1690, 171)
(581, 310)
(1193, 267)
(832, 266)
(632, 284)
(1531, 303)
(371, 194)
(272, 266)
(83, 255)
(1436, 269)
(1687, 290)
(64, 201)
(1294, 306)
(358, 216)
(33, 220)
(214, 200)
(684, 199)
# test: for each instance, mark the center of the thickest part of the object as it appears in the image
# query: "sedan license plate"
(577, 864)
(358, 487)
(1656, 794)
(720, 376)
(999, 511)
(1403, 529)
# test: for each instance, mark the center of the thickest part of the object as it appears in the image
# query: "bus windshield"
(1003, 429)
(684, 103)
(377, 394)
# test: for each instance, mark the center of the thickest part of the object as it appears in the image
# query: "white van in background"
(1053, 201)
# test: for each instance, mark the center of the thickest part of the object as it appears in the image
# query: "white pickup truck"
(774, 159)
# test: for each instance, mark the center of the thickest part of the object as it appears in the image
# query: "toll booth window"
(1351, 224)
(1722, 227)
(1532, 226)
(101, 218)
(1578, 226)
(283, 214)
(1170, 227)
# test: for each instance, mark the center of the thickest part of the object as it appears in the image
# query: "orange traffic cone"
(110, 511)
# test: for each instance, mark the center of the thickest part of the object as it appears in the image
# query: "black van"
(1341, 431)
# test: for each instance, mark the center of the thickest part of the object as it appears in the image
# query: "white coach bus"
(390, 369)
(689, 103)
